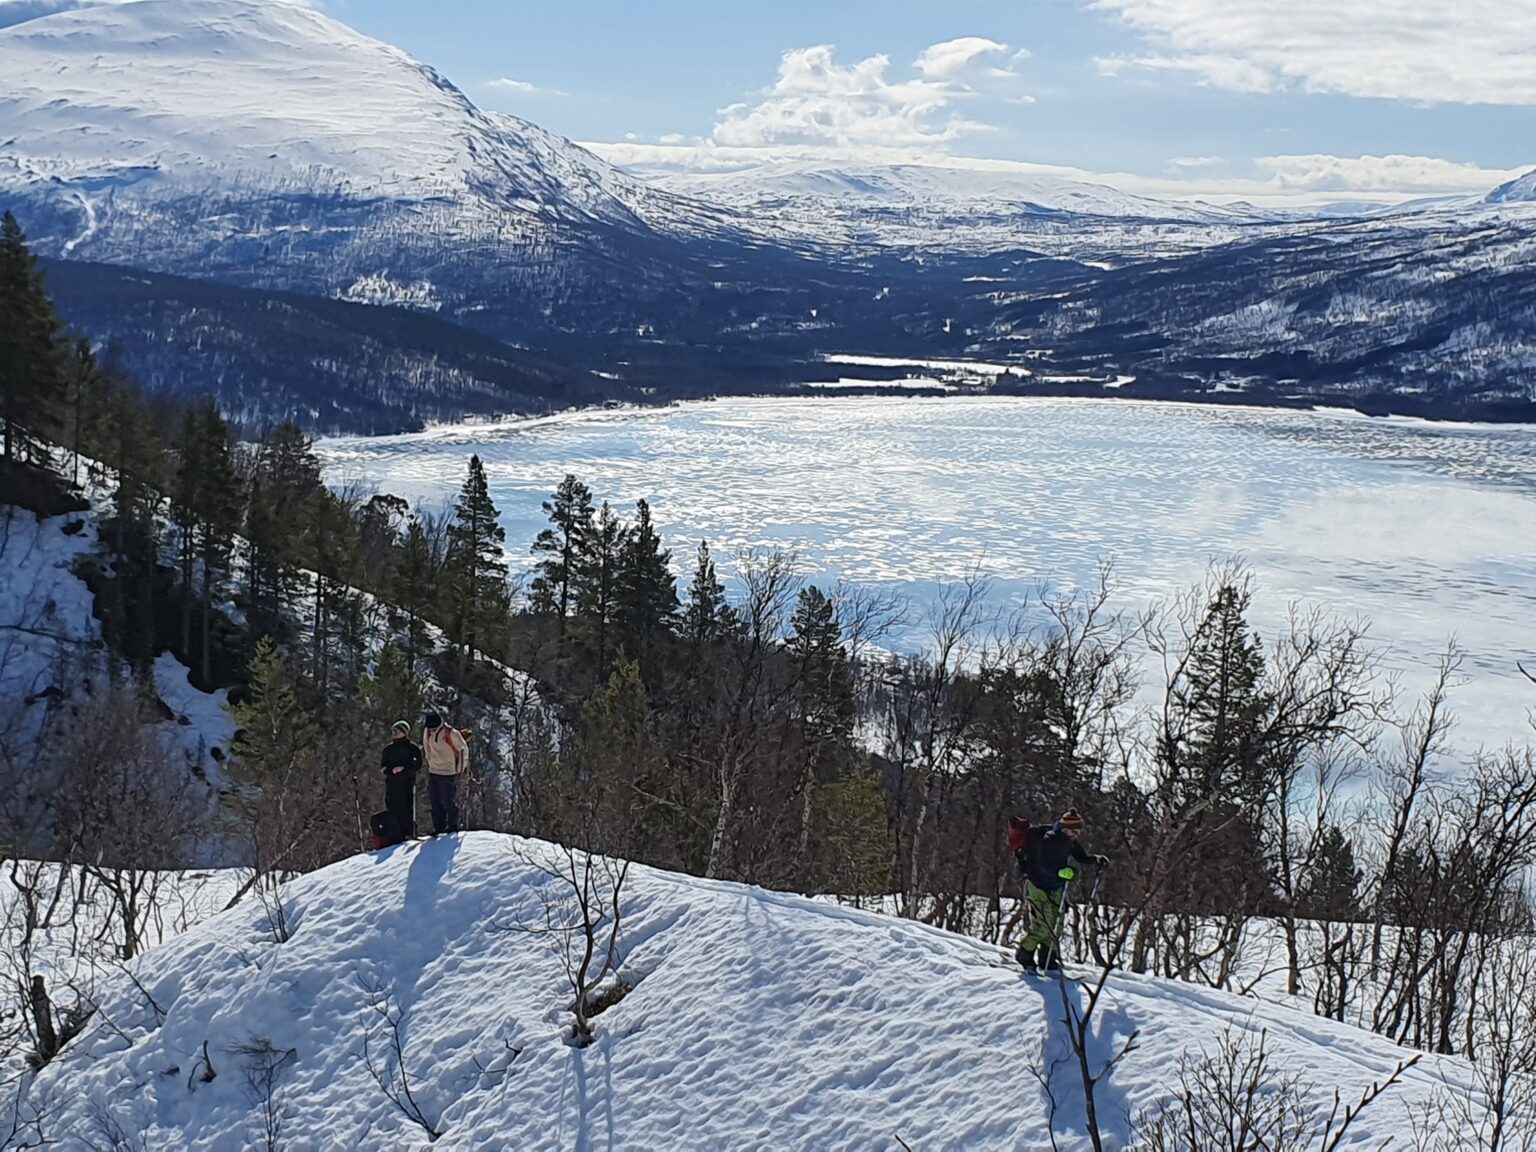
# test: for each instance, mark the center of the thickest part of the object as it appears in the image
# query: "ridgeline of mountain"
(265, 147)
(1518, 191)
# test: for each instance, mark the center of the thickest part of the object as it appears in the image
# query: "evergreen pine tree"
(220, 507)
(390, 691)
(378, 529)
(475, 568)
(707, 616)
(1330, 890)
(138, 459)
(336, 556)
(31, 367)
(186, 503)
(648, 590)
(1220, 704)
(414, 586)
(85, 396)
(599, 582)
(287, 475)
(1213, 748)
(619, 777)
(563, 548)
(822, 703)
(273, 749)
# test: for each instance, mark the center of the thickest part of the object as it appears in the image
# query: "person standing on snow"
(401, 763)
(443, 748)
(1044, 854)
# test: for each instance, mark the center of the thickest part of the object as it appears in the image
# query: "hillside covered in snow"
(419, 996)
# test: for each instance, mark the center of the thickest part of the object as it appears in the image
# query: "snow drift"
(755, 1020)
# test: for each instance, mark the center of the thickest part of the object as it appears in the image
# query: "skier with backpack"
(1045, 854)
(446, 755)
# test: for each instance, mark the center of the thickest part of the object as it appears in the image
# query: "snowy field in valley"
(754, 1020)
(1425, 529)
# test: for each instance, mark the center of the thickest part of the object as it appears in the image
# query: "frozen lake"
(1427, 530)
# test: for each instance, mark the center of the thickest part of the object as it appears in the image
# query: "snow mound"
(755, 1020)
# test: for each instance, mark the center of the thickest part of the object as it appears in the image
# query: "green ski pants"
(1047, 918)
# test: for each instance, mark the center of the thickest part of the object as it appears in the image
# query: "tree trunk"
(42, 1021)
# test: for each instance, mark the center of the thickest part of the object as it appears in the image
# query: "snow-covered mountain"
(164, 96)
(923, 208)
(930, 188)
(262, 143)
(422, 991)
(1519, 191)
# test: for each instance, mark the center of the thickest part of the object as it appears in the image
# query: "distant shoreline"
(472, 427)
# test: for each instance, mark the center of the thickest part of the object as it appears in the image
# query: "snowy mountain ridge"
(748, 1019)
(248, 119)
(934, 188)
(239, 93)
(1518, 191)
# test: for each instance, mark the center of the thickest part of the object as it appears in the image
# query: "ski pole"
(1098, 882)
(1059, 929)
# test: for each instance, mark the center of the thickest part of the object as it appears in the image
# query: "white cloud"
(522, 87)
(816, 100)
(1229, 72)
(1369, 175)
(952, 58)
(1184, 163)
(1432, 51)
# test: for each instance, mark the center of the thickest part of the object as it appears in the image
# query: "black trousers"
(400, 801)
(443, 792)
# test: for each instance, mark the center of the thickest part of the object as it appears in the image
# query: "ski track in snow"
(758, 1020)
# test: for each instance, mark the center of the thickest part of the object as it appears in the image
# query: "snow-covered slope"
(242, 92)
(755, 1021)
(52, 652)
(931, 208)
(930, 188)
(263, 142)
(1520, 191)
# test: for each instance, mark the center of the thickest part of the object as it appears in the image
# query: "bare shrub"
(262, 1063)
(1236, 1100)
(385, 1058)
(581, 914)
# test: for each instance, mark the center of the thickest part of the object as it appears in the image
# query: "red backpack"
(1022, 835)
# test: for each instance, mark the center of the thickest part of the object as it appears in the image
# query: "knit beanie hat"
(402, 728)
(1071, 820)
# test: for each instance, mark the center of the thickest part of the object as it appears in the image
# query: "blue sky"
(1369, 98)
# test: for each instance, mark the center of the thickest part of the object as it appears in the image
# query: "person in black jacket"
(1046, 866)
(401, 761)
